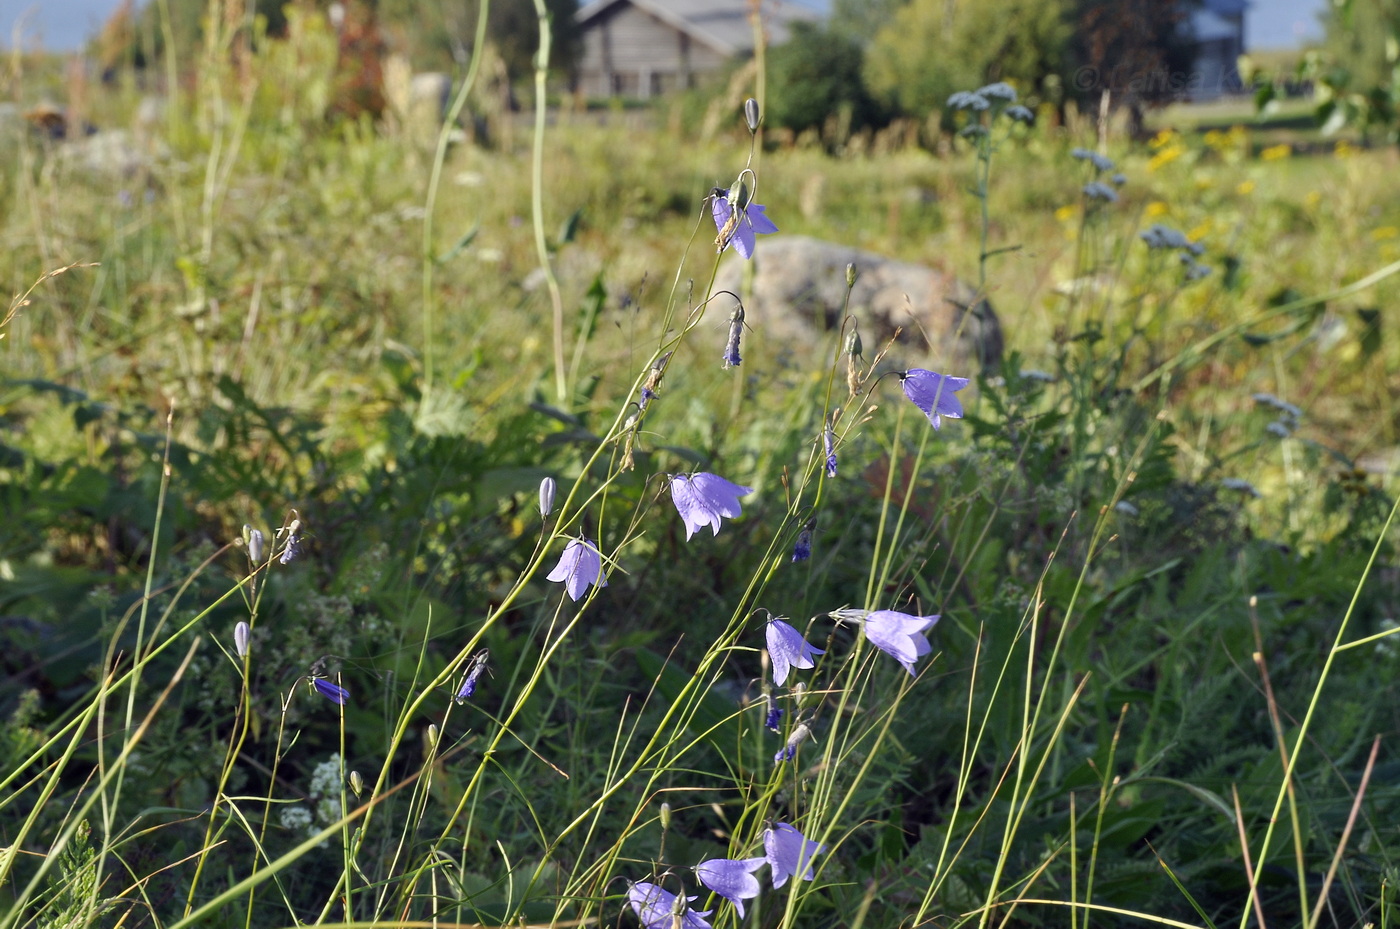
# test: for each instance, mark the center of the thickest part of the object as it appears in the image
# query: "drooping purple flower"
(789, 853)
(658, 908)
(703, 499)
(829, 444)
(933, 393)
(775, 713)
(899, 635)
(736, 225)
(468, 687)
(800, 733)
(802, 550)
(731, 878)
(330, 690)
(788, 650)
(580, 565)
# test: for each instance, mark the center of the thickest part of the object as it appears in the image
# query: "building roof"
(721, 24)
(1207, 26)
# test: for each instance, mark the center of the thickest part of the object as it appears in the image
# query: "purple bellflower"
(899, 635)
(737, 225)
(330, 690)
(802, 550)
(703, 499)
(788, 650)
(658, 908)
(731, 878)
(464, 693)
(789, 853)
(829, 446)
(933, 393)
(731, 356)
(580, 565)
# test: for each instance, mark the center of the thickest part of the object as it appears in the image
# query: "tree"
(861, 19)
(815, 74)
(932, 48)
(1137, 51)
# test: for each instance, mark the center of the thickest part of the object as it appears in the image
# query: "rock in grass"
(799, 286)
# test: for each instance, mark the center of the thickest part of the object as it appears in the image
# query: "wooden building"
(1218, 28)
(643, 48)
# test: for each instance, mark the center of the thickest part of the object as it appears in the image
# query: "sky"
(63, 25)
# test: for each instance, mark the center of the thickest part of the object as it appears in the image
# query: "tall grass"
(1143, 700)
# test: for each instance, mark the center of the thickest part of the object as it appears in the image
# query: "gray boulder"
(799, 286)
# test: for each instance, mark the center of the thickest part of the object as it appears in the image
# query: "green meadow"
(309, 375)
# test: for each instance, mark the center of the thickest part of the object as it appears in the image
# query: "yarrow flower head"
(738, 219)
(703, 499)
(478, 665)
(788, 650)
(1097, 190)
(998, 91)
(731, 878)
(899, 635)
(968, 100)
(789, 853)
(580, 565)
(1100, 162)
(1020, 114)
(658, 908)
(933, 393)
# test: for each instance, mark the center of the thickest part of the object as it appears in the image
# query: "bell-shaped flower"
(933, 393)
(330, 690)
(737, 224)
(658, 908)
(789, 853)
(731, 878)
(478, 665)
(580, 565)
(788, 650)
(703, 499)
(899, 635)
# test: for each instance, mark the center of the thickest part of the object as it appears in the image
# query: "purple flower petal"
(752, 220)
(731, 878)
(789, 853)
(579, 566)
(788, 650)
(934, 394)
(656, 907)
(899, 635)
(704, 499)
(330, 690)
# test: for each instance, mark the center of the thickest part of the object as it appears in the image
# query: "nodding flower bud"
(736, 332)
(254, 540)
(357, 783)
(432, 735)
(800, 733)
(240, 638)
(853, 351)
(547, 489)
(851, 274)
(751, 114)
(854, 347)
(665, 816)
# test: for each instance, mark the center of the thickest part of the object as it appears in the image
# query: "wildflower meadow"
(411, 533)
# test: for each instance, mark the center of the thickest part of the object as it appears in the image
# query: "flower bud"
(851, 274)
(751, 114)
(240, 637)
(357, 783)
(254, 539)
(853, 344)
(432, 735)
(547, 489)
(665, 816)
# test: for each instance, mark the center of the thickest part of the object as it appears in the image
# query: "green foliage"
(931, 48)
(816, 76)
